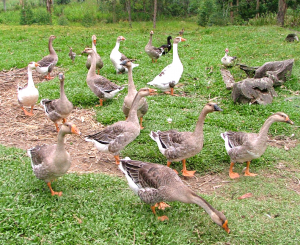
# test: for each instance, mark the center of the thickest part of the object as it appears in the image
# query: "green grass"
(111, 214)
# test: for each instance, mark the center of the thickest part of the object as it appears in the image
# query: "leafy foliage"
(26, 17)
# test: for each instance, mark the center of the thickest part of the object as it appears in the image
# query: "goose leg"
(185, 172)
(56, 126)
(161, 218)
(117, 159)
(232, 174)
(169, 164)
(141, 122)
(48, 77)
(98, 71)
(52, 191)
(64, 120)
(247, 172)
(101, 102)
(26, 112)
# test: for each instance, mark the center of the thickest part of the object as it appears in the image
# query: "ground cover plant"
(101, 209)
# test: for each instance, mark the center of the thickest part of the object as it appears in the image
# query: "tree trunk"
(114, 3)
(129, 12)
(154, 15)
(231, 13)
(257, 8)
(281, 12)
(4, 5)
(49, 9)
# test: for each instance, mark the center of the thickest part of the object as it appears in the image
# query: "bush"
(88, 19)
(206, 9)
(62, 1)
(63, 21)
(42, 17)
(26, 15)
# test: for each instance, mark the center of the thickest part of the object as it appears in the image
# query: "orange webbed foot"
(233, 175)
(56, 193)
(188, 173)
(249, 174)
(162, 205)
(163, 218)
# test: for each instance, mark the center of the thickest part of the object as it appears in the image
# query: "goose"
(244, 147)
(167, 47)
(28, 95)
(128, 100)
(115, 137)
(72, 54)
(52, 161)
(101, 86)
(58, 109)
(154, 53)
(99, 62)
(181, 32)
(117, 57)
(156, 184)
(178, 146)
(228, 60)
(171, 74)
(47, 64)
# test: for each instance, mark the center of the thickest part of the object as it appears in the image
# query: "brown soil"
(18, 130)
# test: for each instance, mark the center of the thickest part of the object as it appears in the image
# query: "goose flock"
(155, 184)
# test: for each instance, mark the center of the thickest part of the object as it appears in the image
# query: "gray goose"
(115, 137)
(128, 100)
(99, 62)
(52, 161)
(47, 64)
(101, 86)
(244, 147)
(156, 184)
(72, 55)
(178, 146)
(153, 53)
(58, 109)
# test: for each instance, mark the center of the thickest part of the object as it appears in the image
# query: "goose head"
(69, 128)
(88, 51)
(220, 219)
(281, 117)
(120, 38)
(179, 39)
(169, 38)
(61, 77)
(33, 65)
(226, 50)
(151, 33)
(146, 91)
(127, 63)
(94, 39)
(211, 106)
(52, 37)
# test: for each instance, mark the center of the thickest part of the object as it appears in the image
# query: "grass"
(101, 209)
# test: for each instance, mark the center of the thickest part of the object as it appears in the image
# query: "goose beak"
(225, 227)
(75, 130)
(183, 39)
(37, 64)
(123, 63)
(289, 121)
(152, 91)
(123, 38)
(217, 108)
(94, 41)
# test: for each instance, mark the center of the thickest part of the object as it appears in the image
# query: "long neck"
(62, 90)
(169, 41)
(175, 52)
(132, 116)
(30, 80)
(94, 47)
(150, 40)
(117, 45)
(203, 204)
(131, 87)
(199, 126)
(51, 49)
(61, 140)
(263, 132)
(92, 70)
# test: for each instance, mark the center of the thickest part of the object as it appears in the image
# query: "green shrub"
(62, 1)
(206, 9)
(26, 15)
(89, 19)
(63, 21)
(264, 19)
(41, 16)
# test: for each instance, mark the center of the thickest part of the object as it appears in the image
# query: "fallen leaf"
(245, 196)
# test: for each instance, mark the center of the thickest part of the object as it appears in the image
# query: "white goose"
(117, 57)
(171, 74)
(28, 95)
(228, 60)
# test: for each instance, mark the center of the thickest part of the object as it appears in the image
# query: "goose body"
(117, 57)
(58, 109)
(167, 47)
(244, 147)
(153, 52)
(156, 184)
(128, 100)
(72, 55)
(47, 64)
(181, 32)
(171, 74)
(52, 161)
(228, 60)
(28, 95)
(101, 86)
(99, 62)
(178, 146)
(115, 137)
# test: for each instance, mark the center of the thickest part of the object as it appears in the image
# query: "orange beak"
(95, 41)
(225, 227)
(36, 64)
(152, 91)
(75, 130)
(183, 39)
(123, 38)
(289, 121)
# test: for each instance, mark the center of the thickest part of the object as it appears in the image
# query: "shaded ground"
(18, 130)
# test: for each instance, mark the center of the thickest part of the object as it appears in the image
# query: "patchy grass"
(101, 209)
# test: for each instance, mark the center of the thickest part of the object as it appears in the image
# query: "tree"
(282, 6)
(4, 5)
(154, 14)
(49, 9)
(129, 12)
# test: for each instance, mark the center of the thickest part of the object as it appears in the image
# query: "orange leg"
(247, 172)
(185, 172)
(172, 91)
(64, 120)
(117, 159)
(26, 112)
(161, 218)
(52, 191)
(141, 122)
(98, 71)
(57, 128)
(48, 77)
(232, 174)
(101, 102)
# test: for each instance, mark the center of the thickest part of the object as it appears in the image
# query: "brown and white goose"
(99, 62)
(178, 146)
(47, 64)
(228, 60)
(28, 95)
(52, 161)
(58, 109)
(72, 54)
(156, 184)
(115, 137)
(128, 100)
(154, 53)
(244, 147)
(117, 57)
(101, 86)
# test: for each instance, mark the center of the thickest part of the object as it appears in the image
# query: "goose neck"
(30, 80)
(199, 126)
(132, 116)
(92, 70)
(175, 52)
(263, 132)
(50, 46)
(131, 87)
